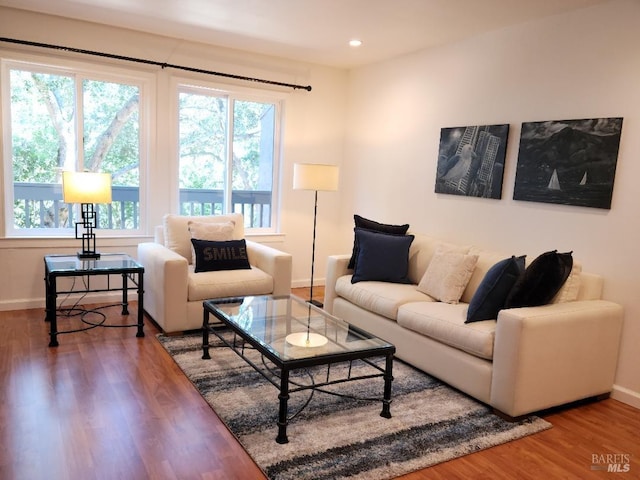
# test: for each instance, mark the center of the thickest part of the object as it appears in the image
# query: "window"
(68, 119)
(62, 115)
(228, 154)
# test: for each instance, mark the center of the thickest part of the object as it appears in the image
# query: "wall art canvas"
(570, 162)
(471, 160)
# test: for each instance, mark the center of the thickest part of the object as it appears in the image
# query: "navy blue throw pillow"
(213, 256)
(361, 222)
(381, 257)
(492, 293)
(541, 280)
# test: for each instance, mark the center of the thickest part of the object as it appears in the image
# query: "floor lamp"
(86, 188)
(316, 177)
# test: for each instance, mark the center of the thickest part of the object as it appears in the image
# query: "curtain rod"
(153, 62)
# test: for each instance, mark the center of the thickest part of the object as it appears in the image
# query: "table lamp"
(86, 188)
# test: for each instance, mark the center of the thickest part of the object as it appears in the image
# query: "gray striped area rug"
(336, 437)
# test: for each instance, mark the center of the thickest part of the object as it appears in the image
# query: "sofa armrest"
(166, 284)
(336, 268)
(276, 263)
(554, 354)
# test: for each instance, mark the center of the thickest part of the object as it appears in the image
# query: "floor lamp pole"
(313, 251)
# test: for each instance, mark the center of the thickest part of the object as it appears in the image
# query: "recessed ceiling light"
(355, 43)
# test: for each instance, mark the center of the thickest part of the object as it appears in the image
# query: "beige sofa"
(528, 359)
(174, 292)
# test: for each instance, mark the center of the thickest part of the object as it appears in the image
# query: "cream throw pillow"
(571, 287)
(447, 275)
(217, 232)
(176, 230)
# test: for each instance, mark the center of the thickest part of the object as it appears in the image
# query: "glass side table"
(109, 264)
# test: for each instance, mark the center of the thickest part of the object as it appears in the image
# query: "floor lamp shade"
(313, 176)
(86, 188)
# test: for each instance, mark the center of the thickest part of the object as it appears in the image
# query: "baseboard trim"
(317, 282)
(21, 304)
(35, 303)
(626, 395)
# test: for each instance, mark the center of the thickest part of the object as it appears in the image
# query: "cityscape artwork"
(471, 160)
(570, 162)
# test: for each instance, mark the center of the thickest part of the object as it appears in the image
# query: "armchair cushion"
(228, 283)
(219, 232)
(212, 256)
(178, 238)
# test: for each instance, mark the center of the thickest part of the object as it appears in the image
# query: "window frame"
(80, 71)
(230, 92)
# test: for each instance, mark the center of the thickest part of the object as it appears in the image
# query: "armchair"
(174, 291)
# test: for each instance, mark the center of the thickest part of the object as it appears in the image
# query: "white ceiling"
(314, 31)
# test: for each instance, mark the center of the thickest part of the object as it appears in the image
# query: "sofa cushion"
(570, 289)
(213, 256)
(492, 293)
(228, 283)
(176, 230)
(422, 250)
(541, 281)
(361, 222)
(447, 275)
(381, 257)
(486, 260)
(446, 324)
(379, 297)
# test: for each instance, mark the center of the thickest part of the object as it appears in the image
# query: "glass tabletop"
(106, 262)
(291, 328)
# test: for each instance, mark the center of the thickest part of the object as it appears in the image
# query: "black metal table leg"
(140, 332)
(388, 379)
(51, 314)
(282, 414)
(125, 299)
(205, 335)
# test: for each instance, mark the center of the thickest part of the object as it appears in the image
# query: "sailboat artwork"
(554, 183)
(584, 179)
(568, 162)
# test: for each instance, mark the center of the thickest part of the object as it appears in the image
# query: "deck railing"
(40, 205)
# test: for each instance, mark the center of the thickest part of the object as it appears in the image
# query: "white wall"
(578, 65)
(314, 128)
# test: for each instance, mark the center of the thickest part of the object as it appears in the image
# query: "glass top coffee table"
(293, 334)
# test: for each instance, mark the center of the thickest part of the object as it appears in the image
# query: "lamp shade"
(86, 187)
(313, 176)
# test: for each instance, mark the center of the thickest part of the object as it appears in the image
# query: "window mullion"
(79, 114)
(228, 184)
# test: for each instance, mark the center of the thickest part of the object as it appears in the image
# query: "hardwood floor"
(108, 405)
